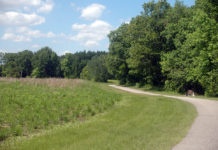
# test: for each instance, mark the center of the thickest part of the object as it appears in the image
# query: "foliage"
(96, 69)
(134, 51)
(46, 63)
(194, 43)
(2, 61)
(210, 7)
(1, 66)
(73, 64)
(118, 54)
(18, 64)
(29, 105)
(164, 45)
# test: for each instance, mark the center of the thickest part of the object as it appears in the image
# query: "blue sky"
(63, 25)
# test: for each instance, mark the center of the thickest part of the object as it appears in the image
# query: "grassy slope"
(136, 122)
(27, 105)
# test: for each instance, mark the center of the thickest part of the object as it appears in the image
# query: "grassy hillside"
(134, 121)
(29, 105)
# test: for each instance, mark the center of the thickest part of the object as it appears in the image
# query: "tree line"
(46, 63)
(170, 47)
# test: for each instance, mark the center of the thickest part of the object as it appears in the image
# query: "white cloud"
(25, 34)
(91, 34)
(41, 5)
(24, 12)
(46, 7)
(75, 7)
(92, 12)
(10, 4)
(19, 19)
(28, 32)
(49, 35)
(35, 46)
(15, 37)
(91, 43)
(34, 33)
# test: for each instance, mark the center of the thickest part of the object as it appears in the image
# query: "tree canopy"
(46, 63)
(170, 46)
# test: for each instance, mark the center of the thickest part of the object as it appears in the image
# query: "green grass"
(28, 106)
(137, 122)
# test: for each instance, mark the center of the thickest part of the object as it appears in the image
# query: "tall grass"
(30, 105)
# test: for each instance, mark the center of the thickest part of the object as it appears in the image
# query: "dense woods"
(170, 47)
(46, 63)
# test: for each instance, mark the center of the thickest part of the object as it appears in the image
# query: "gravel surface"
(203, 134)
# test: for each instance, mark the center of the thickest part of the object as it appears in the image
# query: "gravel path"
(203, 134)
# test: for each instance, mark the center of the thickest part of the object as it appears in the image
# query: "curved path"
(203, 134)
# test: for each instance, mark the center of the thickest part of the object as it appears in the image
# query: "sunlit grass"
(30, 105)
(136, 122)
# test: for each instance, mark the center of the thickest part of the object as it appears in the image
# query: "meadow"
(30, 105)
(77, 114)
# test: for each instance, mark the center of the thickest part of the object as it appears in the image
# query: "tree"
(46, 63)
(210, 7)
(173, 16)
(147, 43)
(73, 64)
(66, 65)
(195, 42)
(205, 39)
(172, 61)
(118, 54)
(134, 51)
(96, 69)
(1, 63)
(24, 60)
(11, 66)
(18, 64)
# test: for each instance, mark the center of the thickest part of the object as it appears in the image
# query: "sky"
(66, 26)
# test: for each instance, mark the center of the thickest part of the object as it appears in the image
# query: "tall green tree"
(193, 63)
(96, 69)
(73, 64)
(66, 65)
(1, 63)
(118, 54)
(205, 39)
(24, 60)
(210, 7)
(173, 62)
(46, 63)
(134, 51)
(173, 16)
(147, 42)
(11, 65)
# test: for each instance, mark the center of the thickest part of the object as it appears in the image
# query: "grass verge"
(137, 122)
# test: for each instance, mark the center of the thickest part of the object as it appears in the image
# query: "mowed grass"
(137, 122)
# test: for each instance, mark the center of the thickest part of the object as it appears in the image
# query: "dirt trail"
(203, 134)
